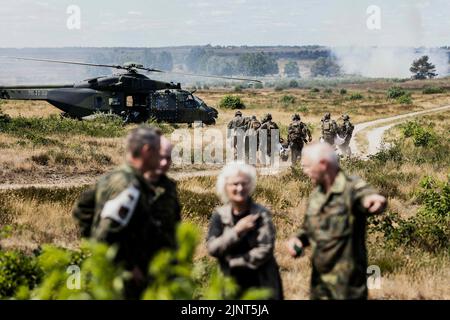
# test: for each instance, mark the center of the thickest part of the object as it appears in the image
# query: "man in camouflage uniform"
(252, 140)
(298, 135)
(267, 126)
(167, 207)
(236, 129)
(335, 226)
(346, 130)
(329, 129)
(119, 209)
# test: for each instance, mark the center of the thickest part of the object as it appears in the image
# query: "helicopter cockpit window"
(190, 102)
(98, 102)
(199, 101)
(129, 101)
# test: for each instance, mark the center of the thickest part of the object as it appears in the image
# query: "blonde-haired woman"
(241, 234)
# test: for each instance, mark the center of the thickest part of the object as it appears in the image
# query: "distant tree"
(257, 64)
(423, 69)
(291, 69)
(326, 67)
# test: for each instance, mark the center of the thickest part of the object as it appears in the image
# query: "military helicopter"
(131, 95)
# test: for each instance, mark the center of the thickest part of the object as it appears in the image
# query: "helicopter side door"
(189, 109)
(163, 106)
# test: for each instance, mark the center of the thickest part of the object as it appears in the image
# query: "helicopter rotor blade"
(134, 67)
(150, 69)
(210, 76)
(68, 62)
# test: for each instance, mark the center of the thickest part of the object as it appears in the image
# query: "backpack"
(296, 133)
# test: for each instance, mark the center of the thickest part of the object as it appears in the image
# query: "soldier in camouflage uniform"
(241, 234)
(335, 226)
(119, 210)
(236, 129)
(346, 130)
(252, 140)
(267, 126)
(298, 135)
(167, 207)
(329, 129)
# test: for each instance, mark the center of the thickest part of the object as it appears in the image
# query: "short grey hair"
(139, 137)
(233, 169)
(321, 151)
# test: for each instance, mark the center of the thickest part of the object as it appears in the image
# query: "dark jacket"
(248, 258)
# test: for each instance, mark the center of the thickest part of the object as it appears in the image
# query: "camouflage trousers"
(296, 153)
(329, 139)
(335, 285)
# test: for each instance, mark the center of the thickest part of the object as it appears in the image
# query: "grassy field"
(412, 256)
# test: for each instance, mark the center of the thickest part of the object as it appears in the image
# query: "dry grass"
(44, 215)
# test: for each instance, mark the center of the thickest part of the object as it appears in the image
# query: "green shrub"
(278, 88)
(231, 102)
(293, 84)
(433, 90)
(405, 99)
(429, 229)
(422, 137)
(287, 99)
(343, 91)
(303, 109)
(356, 96)
(238, 88)
(409, 128)
(172, 272)
(395, 92)
(16, 270)
(328, 91)
(315, 90)
(258, 85)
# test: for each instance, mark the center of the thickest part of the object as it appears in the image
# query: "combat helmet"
(327, 115)
(296, 117)
(238, 113)
(345, 117)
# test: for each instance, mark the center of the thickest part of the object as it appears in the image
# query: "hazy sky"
(156, 23)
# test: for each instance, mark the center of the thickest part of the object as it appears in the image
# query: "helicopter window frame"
(190, 102)
(98, 102)
(129, 101)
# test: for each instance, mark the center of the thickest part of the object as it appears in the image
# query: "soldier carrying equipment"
(329, 129)
(346, 130)
(238, 125)
(268, 125)
(298, 135)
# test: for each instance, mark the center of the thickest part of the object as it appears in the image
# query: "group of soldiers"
(335, 134)
(298, 134)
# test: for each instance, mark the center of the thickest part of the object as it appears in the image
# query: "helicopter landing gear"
(68, 116)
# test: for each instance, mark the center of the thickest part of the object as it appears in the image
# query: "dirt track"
(372, 129)
(375, 134)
